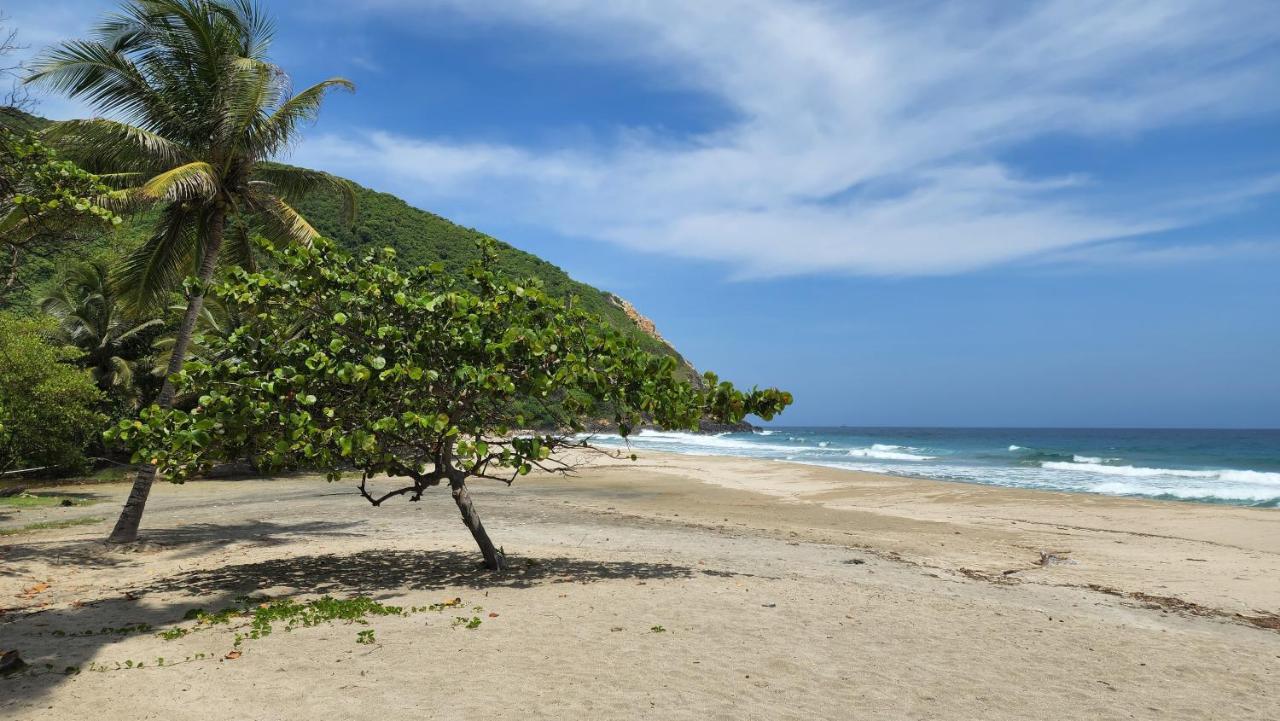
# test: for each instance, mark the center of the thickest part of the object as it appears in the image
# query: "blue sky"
(907, 213)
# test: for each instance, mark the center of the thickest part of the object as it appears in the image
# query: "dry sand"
(785, 592)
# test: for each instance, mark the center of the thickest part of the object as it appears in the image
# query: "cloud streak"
(867, 138)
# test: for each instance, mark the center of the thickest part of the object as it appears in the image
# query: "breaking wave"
(888, 453)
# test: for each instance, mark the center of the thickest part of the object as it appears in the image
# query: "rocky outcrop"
(636, 317)
(650, 329)
(706, 426)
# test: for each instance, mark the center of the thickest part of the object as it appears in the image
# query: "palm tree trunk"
(126, 529)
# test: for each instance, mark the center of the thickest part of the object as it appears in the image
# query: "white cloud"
(835, 102)
(867, 137)
(1127, 254)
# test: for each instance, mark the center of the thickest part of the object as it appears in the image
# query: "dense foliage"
(92, 319)
(422, 238)
(45, 201)
(47, 404)
(351, 363)
(191, 108)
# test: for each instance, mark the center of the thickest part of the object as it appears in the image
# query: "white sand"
(748, 565)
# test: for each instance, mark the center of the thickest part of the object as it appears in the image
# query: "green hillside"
(382, 220)
(420, 238)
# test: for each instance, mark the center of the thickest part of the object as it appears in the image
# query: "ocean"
(1238, 467)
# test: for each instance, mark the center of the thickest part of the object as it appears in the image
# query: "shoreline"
(1134, 545)
(1218, 467)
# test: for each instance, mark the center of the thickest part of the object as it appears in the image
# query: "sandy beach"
(675, 587)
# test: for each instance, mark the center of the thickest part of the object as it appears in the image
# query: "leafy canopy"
(47, 414)
(43, 200)
(91, 318)
(351, 363)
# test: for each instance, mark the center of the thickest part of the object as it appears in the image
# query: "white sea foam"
(880, 451)
(1082, 473)
(1014, 448)
(766, 433)
(1191, 491)
(719, 444)
(1228, 475)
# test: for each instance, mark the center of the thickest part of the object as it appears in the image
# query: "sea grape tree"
(350, 365)
(45, 201)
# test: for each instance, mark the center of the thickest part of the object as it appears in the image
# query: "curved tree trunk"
(493, 558)
(126, 529)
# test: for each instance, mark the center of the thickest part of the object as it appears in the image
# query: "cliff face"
(641, 322)
(647, 327)
(650, 329)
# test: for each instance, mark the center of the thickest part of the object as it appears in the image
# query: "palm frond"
(193, 181)
(135, 331)
(109, 145)
(278, 129)
(125, 201)
(103, 77)
(293, 184)
(238, 249)
(157, 266)
(282, 224)
(121, 373)
(255, 87)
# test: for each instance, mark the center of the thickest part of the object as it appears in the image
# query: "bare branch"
(16, 96)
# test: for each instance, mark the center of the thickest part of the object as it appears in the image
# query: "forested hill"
(420, 238)
(384, 220)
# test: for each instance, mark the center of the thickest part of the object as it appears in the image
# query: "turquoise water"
(1240, 467)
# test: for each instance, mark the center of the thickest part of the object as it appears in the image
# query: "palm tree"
(199, 110)
(217, 320)
(91, 318)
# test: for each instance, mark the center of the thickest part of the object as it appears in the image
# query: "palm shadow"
(68, 638)
(190, 541)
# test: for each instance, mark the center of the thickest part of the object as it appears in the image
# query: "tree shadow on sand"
(189, 541)
(58, 636)
(397, 570)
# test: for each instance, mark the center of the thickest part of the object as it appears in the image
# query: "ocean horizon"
(1224, 466)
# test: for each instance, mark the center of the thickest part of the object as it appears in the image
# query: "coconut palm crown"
(91, 318)
(192, 111)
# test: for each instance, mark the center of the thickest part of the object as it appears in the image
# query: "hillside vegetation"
(382, 220)
(421, 238)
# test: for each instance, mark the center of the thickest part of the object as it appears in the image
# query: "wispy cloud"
(833, 102)
(867, 138)
(1127, 254)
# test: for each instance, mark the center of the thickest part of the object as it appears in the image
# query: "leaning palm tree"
(196, 111)
(217, 320)
(90, 317)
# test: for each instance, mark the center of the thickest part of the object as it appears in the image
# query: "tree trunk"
(126, 529)
(13, 269)
(493, 558)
